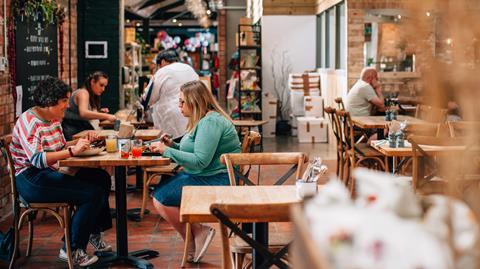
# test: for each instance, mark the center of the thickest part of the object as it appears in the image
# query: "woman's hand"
(104, 110)
(91, 136)
(111, 118)
(166, 139)
(158, 147)
(82, 145)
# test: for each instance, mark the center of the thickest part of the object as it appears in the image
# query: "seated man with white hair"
(365, 93)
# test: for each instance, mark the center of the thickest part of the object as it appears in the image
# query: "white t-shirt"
(358, 99)
(163, 101)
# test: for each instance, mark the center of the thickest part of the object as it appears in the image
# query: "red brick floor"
(151, 233)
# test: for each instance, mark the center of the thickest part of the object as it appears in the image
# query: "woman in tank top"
(84, 106)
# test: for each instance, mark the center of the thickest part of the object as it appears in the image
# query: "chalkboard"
(36, 56)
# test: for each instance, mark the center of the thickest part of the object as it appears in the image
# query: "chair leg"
(239, 257)
(16, 242)
(338, 163)
(66, 231)
(188, 234)
(30, 236)
(145, 193)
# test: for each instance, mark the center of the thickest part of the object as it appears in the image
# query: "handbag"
(7, 241)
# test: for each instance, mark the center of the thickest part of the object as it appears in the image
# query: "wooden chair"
(340, 104)
(31, 209)
(248, 213)
(431, 114)
(422, 157)
(305, 254)
(337, 132)
(356, 153)
(250, 140)
(463, 128)
(296, 159)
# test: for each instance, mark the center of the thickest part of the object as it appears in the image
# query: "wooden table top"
(249, 123)
(408, 152)
(138, 125)
(146, 135)
(105, 159)
(379, 122)
(196, 200)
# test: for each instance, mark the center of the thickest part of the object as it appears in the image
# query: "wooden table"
(407, 151)
(196, 202)
(379, 122)
(146, 135)
(249, 123)
(138, 125)
(113, 160)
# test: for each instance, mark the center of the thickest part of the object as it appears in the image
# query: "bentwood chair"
(356, 153)
(30, 210)
(340, 104)
(295, 160)
(466, 129)
(337, 132)
(431, 114)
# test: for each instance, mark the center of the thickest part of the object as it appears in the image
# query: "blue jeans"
(169, 191)
(88, 190)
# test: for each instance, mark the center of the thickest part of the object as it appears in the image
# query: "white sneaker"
(79, 257)
(98, 243)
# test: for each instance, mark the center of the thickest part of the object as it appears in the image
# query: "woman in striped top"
(37, 145)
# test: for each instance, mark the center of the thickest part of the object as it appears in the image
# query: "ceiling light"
(209, 12)
(138, 24)
(399, 16)
(127, 21)
(180, 24)
(174, 20)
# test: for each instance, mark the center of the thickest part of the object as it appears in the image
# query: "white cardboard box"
(312, 130)
(313, 106)
(269, 129)
(297, 101)
(269, 113)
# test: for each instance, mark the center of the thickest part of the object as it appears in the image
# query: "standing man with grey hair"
(365, 93)
(162, 93)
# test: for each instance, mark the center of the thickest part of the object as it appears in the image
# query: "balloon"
(177, 39)
(205, 43)
(162, 35)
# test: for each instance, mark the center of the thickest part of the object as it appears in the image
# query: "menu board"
(36, 56)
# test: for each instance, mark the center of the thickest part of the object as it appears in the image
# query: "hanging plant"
(43, 11)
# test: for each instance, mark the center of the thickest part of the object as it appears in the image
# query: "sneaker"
(98, 243)
(79, 257)
(202, 241)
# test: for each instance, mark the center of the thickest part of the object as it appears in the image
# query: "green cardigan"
(199, 151)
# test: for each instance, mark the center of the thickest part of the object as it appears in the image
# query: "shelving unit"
(249, 66)
(133, 65)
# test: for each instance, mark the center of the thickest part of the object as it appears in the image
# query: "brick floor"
(152, 233)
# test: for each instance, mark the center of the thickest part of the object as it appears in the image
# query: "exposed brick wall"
(6, 99)
(222, 53)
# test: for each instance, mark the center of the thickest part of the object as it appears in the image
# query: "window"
(331, 38)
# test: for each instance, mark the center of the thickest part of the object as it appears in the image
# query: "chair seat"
(367, 151)
(275, 243)
(169, 169)
(45, 205)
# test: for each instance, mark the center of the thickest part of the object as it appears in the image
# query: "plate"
(91, 152)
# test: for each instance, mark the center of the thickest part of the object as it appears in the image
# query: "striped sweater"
(32, 137)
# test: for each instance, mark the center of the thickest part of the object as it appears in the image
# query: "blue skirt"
(169, 191)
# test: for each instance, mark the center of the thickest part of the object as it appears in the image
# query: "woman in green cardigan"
(210, 133)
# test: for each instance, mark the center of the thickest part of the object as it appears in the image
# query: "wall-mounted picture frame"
(96, 49)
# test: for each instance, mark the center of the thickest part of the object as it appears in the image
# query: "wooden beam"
(167, 7)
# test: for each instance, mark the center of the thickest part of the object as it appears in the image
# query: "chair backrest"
(463, 128)
(336, 128)
(431, 114)
(7, 157)
(340, 103)
(431, 129)
(250, 139)
(297, 159)
(346, 125)
(245, 213)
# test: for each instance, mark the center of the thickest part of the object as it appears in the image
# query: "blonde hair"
(201, 101)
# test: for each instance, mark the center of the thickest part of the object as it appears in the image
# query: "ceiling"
(161, 10)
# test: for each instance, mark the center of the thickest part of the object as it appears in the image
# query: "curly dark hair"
(49, 91)
(170, 56)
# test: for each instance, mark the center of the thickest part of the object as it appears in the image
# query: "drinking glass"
(111, 143)
(124, 145)
(137, 148)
